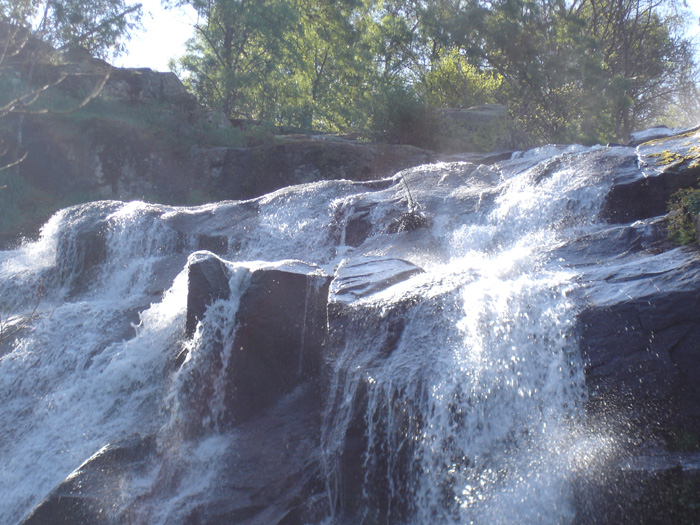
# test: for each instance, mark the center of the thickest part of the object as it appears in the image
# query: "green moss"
(656, 142)
(667, 157)
(683, 207)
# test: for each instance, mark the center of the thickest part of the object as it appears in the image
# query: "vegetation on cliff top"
(570, 71)
(576, 71)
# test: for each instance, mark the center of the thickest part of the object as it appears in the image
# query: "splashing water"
(452, 396)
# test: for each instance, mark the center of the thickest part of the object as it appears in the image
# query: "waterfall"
(474, 416)
(450, 390)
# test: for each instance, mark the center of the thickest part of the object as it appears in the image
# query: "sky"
(165, 33)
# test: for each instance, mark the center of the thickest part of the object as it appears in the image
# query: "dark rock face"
(275, 382)
(643, 185)
(641, 346)
(364, 486)
(281, 328)
(91, 493)
(207, 281)
(102, 158)
(82, 248)
(244, 173)
(274, 473)
(656, 487)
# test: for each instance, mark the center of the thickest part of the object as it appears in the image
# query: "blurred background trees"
(581, 70)
(568, 70)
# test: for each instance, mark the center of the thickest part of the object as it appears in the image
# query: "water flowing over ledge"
(421, 349)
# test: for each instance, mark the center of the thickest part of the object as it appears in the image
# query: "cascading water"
(451, 385)
(473, 416)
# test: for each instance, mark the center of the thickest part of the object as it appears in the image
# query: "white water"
(481, 398)
(486, 377)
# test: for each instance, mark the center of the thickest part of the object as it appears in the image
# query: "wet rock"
(640, 341)
(281, 323)
(358, 228)
(654, 486)
(369, 414)
(643, 187)
(352, 223)
(273, 475)
(245, 173)
(82, 245)
(407, 222)
(217, 244)
(91, 494)
(361, 278)
(207, 278)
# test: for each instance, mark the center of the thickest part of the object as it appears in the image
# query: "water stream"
(463, 383)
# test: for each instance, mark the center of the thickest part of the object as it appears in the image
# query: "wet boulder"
(654, 486)
(643, 186)
(207, 282)
(91, 494)
(360, 278)
(281, 326)
(640, 336)
(82, 244)
(273, 473)
(355, 310)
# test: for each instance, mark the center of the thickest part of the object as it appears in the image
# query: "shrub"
(401, 116)
(683, 207)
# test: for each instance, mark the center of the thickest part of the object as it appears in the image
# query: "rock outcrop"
(318, 382)
(479, 128)
(145, 137)
(93, 492)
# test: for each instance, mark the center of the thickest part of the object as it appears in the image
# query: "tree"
(235, 53)
(648, 58)
(570, 70)
(453, 82)
(100, 26)
(586, 70)
(33, 37)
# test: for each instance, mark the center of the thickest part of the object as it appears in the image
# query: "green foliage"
(586, 72)
(683, 207)
(400, 116)
(99, 26)
(455, 83)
